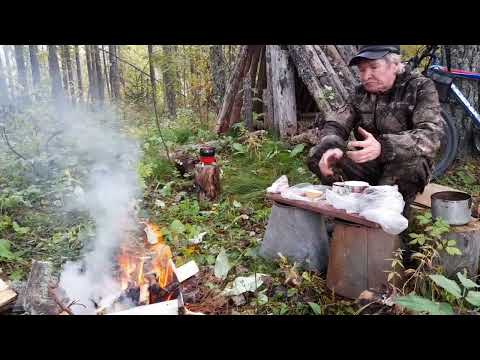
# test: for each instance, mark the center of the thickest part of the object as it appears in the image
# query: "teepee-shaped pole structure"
(286, 83)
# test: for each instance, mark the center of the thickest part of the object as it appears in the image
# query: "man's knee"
(411, 177)
(416, 172)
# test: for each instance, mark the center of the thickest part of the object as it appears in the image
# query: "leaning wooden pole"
(283, 91)
(234, 84)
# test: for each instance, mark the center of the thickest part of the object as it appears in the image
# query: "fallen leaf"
(222, 265)
(243, 284)
(160, 204)
(198, 239)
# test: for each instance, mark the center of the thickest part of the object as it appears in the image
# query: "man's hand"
(371, 148)
(329, 158)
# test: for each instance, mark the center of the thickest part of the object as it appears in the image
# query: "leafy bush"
(463, 295)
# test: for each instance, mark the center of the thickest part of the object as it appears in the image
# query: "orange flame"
(136, 269)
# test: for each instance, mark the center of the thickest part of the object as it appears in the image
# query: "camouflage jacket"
(405, 120)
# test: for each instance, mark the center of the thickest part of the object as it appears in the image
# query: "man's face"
(377, 75)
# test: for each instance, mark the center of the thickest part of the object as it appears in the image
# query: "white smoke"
(108, 195)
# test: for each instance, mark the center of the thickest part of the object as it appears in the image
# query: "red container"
(207, 155)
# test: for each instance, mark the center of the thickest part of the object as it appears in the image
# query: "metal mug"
(349, 187)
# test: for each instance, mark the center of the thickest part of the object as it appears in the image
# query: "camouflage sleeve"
(334, 134)
(424, 139)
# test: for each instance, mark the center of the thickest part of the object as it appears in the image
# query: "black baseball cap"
(373, 52)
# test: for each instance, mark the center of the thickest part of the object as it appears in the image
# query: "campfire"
(149, 281)
(147, 276)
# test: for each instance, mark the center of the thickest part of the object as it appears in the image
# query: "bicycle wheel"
(449, 147)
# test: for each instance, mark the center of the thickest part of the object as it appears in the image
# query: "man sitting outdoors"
(395, 117)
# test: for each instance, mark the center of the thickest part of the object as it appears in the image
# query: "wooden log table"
(324, 208)
(358, 249)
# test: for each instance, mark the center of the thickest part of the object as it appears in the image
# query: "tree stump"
(207, 182)
(468, 241)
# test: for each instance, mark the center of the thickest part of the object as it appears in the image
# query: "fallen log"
(37, 299)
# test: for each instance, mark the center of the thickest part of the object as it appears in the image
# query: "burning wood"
(148, 278)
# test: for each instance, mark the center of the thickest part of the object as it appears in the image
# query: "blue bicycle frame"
(469, 109)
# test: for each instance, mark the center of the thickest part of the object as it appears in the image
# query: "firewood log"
(37, 298)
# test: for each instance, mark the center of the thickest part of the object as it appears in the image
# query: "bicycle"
(443, 78)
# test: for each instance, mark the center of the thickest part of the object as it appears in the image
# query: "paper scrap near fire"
(186, 271)
(154, 234)
(164, 308)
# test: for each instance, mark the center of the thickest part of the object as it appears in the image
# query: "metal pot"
(452, 206)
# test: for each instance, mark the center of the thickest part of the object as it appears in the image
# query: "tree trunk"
(99, 74)
(114, 75)
(91, 74)
(465, 57)
(218, 74)
(4, 98)
(35, 66)
(105, 67)
(54, 71)
(71, 82)
(283, 86)
(121, 78)
(207, 182)
(468, 241)
(9, 71)
(169, 80)
(21, 69)
(153, 81)
(79, 74)
(65, 71)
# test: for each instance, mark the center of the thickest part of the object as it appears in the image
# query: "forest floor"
(34, 225)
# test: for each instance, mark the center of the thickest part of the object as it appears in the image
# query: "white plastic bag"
(384, 205)
(281, 184)
(381, 204)
(350, 203)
